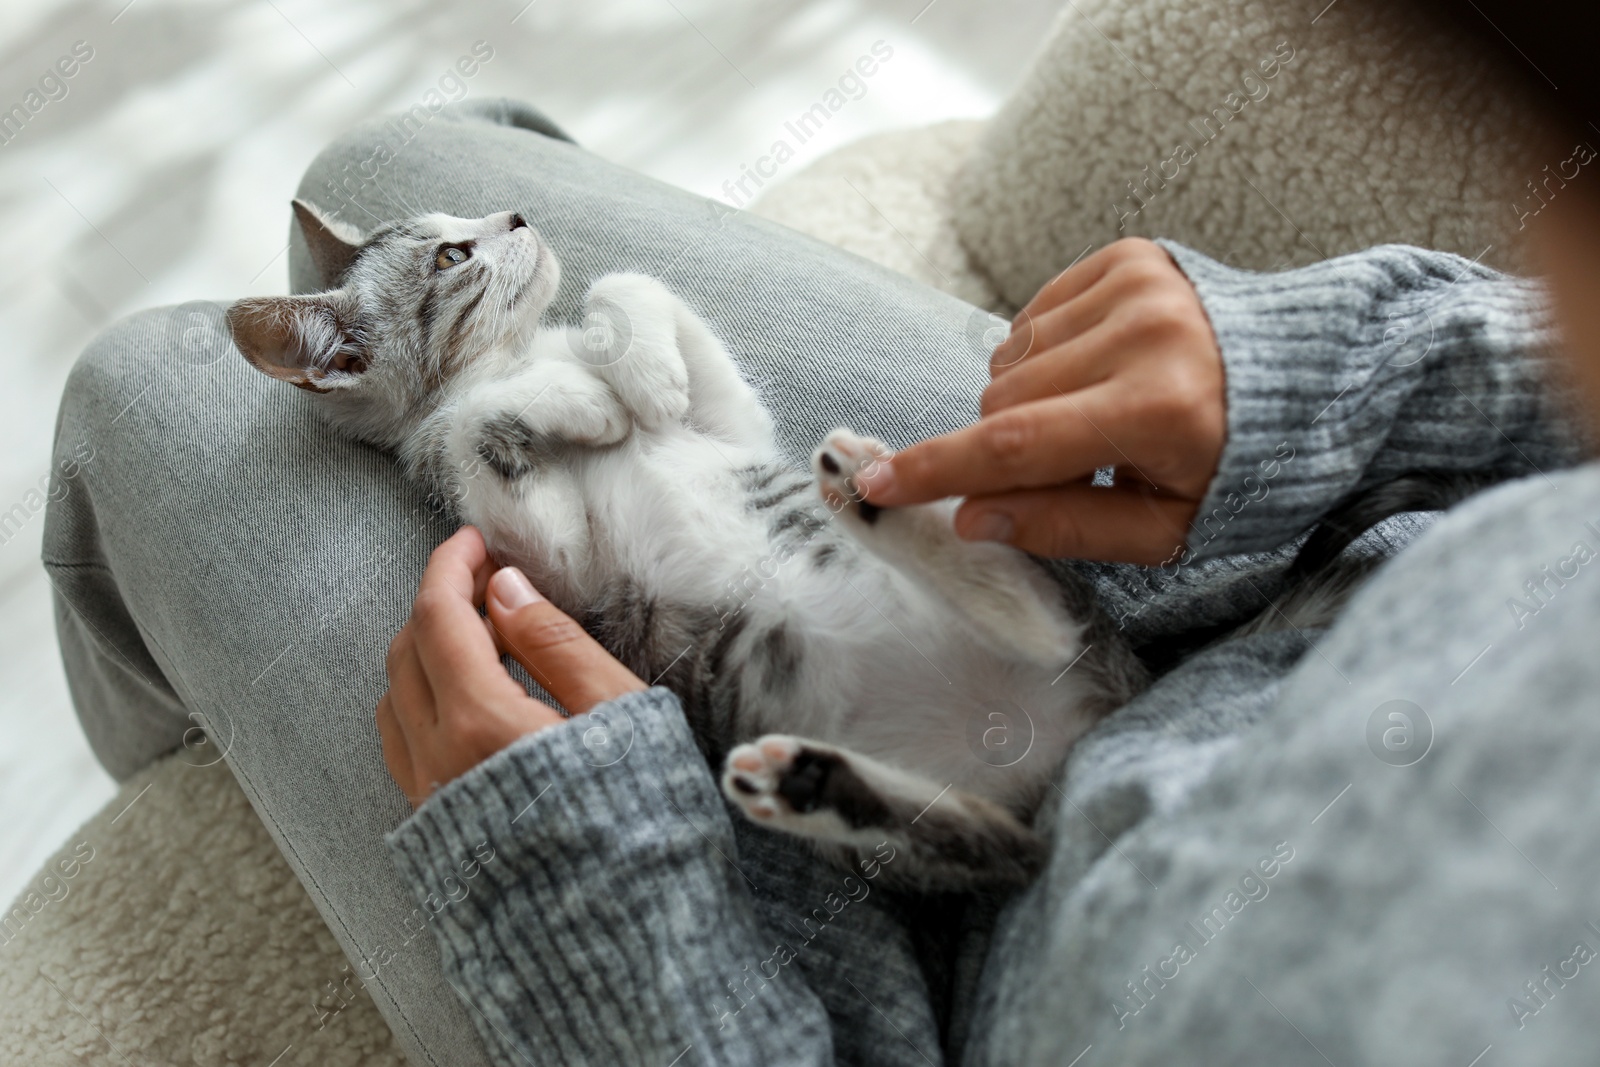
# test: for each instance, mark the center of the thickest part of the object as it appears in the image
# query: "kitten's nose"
(518, 222)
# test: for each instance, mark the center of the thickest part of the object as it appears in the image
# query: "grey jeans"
(223, 560)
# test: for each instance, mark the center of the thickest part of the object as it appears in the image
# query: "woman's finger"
(396, 749)
(410, 693)
(552, 647)
(454, 647)
(1036, 330)
(1075, 280)
(1046, 319)
(462, 559)
(1072, 364)
(1040, 443)
(1124, 523)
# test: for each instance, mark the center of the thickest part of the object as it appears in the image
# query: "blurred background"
(161, 172)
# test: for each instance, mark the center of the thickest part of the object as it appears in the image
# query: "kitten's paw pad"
(754, 772)
(839, 461)
(778, 776)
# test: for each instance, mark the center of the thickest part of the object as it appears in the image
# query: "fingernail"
(512, 589)
(877, 480)
(990, 526)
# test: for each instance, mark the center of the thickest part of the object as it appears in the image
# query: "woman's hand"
(451, 705)
(1113, 363)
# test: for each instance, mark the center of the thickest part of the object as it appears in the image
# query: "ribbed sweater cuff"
(606, 916)
(1349, 372)
(550, 789)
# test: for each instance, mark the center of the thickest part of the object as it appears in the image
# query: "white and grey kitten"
(866, 674)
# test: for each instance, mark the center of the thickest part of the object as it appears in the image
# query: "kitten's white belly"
(887, 668)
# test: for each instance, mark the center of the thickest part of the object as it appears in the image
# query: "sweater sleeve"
(584, 890)
(1350, 372)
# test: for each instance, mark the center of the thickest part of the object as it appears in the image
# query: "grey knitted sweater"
(1256, 861)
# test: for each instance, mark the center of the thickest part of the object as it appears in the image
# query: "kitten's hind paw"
(838, 462)
(951, 839)
(751, 776)
(785, 782)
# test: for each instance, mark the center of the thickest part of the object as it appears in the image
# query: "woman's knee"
(134, 354)
(355, 162)
(348, 178)
(140, 380)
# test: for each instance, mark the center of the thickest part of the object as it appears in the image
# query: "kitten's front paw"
(838, 461)
(597, 424)
(630, 340)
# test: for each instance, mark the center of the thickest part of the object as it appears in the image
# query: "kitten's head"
(407, 309)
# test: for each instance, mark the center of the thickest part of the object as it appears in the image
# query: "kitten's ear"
(298, 339)
(333, 244)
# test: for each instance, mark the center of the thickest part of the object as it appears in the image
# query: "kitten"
(865, 674)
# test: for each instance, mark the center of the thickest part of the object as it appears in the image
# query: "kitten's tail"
(1419, 490)
(1318, 582)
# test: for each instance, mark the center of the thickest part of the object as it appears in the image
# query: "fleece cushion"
(1263, 133)
(888, 198)
(168, 930)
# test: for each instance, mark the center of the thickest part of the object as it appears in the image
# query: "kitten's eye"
(450, 255)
